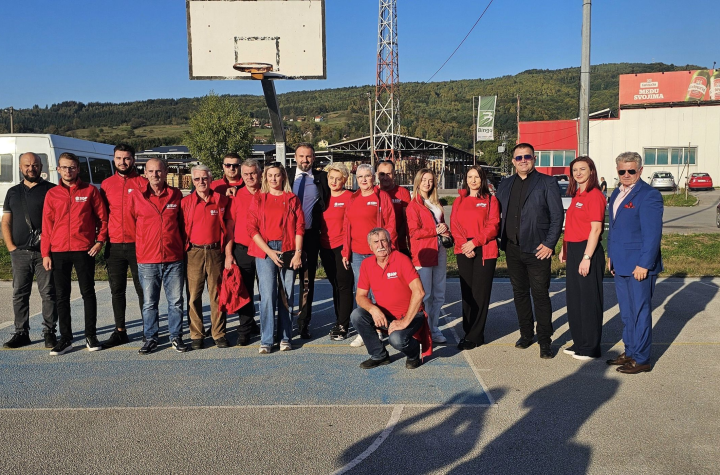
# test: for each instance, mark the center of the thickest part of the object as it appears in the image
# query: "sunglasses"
(520, 158)
(231, 165)
(622, 172)
(202, 178)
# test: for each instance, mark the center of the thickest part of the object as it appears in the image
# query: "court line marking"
(259, 406)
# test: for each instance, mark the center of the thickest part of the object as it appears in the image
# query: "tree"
(218, 127)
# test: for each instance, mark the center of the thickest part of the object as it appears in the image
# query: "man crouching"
(398, 294)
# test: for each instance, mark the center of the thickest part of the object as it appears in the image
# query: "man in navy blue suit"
(532, 217)
(636, 211)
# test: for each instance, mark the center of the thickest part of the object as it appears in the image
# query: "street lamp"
(12, 127)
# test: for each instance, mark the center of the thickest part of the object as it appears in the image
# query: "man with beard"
(231, 180)
(21, 222)
(120, 249)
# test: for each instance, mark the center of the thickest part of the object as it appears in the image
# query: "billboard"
(486, 118)
(675, 86)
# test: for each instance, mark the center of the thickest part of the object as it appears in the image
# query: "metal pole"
(474, 136)
(12, 126)
(442, 182)
(275, 119)
(518, 118)
(584, 136)
(372, 132)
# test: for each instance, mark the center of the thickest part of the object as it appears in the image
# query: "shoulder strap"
(23, 200)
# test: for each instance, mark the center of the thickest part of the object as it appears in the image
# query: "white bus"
(96, 159)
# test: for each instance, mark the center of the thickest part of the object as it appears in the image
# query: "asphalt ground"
(495, 409)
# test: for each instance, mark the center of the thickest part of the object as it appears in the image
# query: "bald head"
(30, 167)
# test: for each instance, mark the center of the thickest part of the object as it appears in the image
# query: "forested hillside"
(436, 111)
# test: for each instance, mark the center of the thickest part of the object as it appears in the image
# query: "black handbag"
(33, 240)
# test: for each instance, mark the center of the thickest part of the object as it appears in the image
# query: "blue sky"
(126, 50)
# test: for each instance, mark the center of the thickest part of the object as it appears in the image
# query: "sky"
(127, 50)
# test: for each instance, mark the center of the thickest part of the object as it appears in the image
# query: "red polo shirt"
(240, 207)
(206, 223)
(391, 285)
(363, 215)
(585, 208)
(332, 232)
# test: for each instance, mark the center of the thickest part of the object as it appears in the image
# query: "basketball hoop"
(256, 70)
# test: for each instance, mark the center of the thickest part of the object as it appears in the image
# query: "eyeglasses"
(68, 169)
(231, 165)
(622, 172)
(201, 178)
(520, 158)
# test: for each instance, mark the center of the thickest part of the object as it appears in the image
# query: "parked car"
(566, 200)
(562, 177)
(700, 181)
(662, 181)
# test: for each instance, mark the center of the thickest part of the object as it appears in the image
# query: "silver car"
(662, 181)
(566, 200)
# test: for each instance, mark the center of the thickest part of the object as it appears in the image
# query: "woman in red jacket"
(426, 224)
(332, 236)
(474, 223)
(276, 224)
(369, 208)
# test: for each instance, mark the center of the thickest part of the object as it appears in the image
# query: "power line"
(461, 43)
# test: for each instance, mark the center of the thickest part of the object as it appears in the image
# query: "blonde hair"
(338, 167)
(266, 187)
(433, 196)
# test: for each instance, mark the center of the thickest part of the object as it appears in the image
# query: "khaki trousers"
(205, 265)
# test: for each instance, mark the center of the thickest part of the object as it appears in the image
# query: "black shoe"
(371, 363)
(50, 340)
(179, 345)
(117, 338)
(338, 333)
(63, 346)
(305, 333)
(222, 343)
(546, 351)
(149, 346)
(198, 344)
(92, 343)
(412, 364)
(255, 329)
(467, 345)
(243, 340)
(18, 340)
(523, 343)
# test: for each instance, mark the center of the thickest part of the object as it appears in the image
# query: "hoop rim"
(250, 67)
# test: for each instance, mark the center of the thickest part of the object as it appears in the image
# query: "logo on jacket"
(392, 275)
(172, 205)
(81, 199)
(339, 205)
(130, 190)
(481, 205)
(578, 205)
(396, 200)
(213, 212)
(372, 203)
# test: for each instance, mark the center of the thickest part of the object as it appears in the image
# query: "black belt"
(215, 245)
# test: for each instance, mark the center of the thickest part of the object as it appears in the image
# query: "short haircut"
(232, 155)
(365, 166)
(376, 231)
(251, 162)
(201, 168)
(522, 145)
(386, 162)
(338, 167)
(592, 180)
(306, 145)
(484, 189)
(69, 156)
(629, 157)
(123, 147)
(433, 196)
(160, 161)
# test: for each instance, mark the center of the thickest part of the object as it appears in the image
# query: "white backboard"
(288, 34)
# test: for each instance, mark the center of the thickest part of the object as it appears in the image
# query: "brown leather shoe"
(619, 361)
(631, 367)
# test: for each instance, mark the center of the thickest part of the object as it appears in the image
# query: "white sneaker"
(582, 357)
(568, 351)
(439, 338)
(285, 346)
(357, 342)
(264, 349)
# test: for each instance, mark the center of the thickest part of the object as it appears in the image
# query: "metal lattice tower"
(387, 97)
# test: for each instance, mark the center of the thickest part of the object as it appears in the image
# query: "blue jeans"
(401, 340)
(171, 276)
(355, 263)
(270, 300)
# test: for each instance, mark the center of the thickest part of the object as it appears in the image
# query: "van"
(96, 159)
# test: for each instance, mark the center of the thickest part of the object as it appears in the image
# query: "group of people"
(384, 251)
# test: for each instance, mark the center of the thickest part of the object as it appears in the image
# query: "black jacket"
(321, 181)
(542, 214)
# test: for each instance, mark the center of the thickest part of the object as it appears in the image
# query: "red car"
(700, 181)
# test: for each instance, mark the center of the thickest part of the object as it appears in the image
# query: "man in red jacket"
(400, 199)
(74, 229)
(159, 248)
(231, 181)
(120, 248)
(209, 246)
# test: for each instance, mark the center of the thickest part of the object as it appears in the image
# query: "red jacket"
(74, 218)
(116, 193)
(489, 221)
(159, 231)
(423, 233)
(188, 208)
(385, 219)
(293, 222)
(222, 185)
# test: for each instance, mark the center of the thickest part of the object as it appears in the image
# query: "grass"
(679, 200)
(684, 255)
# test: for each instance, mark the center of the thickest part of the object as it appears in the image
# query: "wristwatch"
(586, 257)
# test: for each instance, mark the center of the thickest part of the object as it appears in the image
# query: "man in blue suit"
(532, 218)
(636, 211)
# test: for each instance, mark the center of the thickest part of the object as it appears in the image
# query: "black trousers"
(311, 246)
(27, 264)
(585, 299)
(246, 315)
(63, 263)
(342, 281)
(118, 258)
(476, 280)
(528, 273)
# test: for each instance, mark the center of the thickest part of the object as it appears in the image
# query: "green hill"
(435, 111)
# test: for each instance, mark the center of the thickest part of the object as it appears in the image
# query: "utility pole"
(474, 133)
(387, 93)
(518, 118)
(12, 126)
(372, 132)
(584, 136)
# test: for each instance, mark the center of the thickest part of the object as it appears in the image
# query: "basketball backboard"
(287, 34)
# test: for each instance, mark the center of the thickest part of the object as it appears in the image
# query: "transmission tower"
(387, 97)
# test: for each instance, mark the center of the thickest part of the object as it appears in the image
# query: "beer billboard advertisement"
(676, 86)
(486, 117)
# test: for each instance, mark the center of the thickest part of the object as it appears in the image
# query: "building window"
(545, 159)
(670, 156)
(6, 168)
(554, 158)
